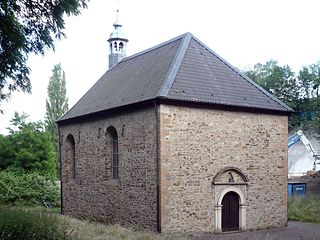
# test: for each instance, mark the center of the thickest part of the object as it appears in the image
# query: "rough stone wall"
(197, 143)
(93, 194)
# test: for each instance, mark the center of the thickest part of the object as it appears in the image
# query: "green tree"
(310, 81)
(278, 80)
(6, 152)
(27, 147)
(281, 82)
(57, 102)
(307, 80)
(29, 26)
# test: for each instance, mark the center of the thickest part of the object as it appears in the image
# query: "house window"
(71, 155)
(115, 154)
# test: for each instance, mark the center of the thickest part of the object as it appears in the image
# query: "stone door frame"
(222, 188)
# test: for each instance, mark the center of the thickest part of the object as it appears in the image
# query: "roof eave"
(227, 107)
(186, 103)
(103, 113)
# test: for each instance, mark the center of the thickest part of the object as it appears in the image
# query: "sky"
(242, 32)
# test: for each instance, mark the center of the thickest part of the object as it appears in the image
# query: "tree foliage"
(18, 186)
(27, 147)
(56, 105)
(57, 101)
(310, 81)
(278, 80)
(299, 91)
(29, 26)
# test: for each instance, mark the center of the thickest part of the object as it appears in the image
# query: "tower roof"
(183, 70)
(117, 33)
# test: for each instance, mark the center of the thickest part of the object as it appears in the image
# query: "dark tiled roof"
(181, 69)
(205, 77)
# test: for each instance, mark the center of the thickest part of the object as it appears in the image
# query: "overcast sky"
(242, 32)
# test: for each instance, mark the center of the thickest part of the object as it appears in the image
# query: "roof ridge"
(244, 76)
(152, 48)
(175, 66)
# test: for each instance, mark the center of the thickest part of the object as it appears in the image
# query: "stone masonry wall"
(93, 194)
(197, 143)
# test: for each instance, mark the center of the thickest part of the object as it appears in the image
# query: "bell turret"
(118, 43)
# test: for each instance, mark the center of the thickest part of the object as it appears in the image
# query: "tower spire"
(117, 16)
(118, 43)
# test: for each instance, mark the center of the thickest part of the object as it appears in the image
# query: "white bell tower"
(118, 43)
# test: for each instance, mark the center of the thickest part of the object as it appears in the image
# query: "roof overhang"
(162, 100)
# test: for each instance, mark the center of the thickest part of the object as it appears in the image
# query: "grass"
(47, 224)
(33, 223)
(84, 230)
(304, 208)
(17, 223)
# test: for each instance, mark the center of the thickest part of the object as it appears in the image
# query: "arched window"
(111, 47)
(71, 155)
(115, 155)
(121, 47)
(115, 46)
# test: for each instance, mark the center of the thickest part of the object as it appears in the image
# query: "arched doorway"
(230, 188)
(230, 212)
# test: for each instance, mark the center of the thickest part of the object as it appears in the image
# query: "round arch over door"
(220, 192)
(230, 212)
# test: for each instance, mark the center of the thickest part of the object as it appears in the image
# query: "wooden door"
(230, 212)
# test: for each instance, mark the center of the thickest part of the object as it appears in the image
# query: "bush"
(28, 147)
(18, 187)
(16, 224)
(304, 208)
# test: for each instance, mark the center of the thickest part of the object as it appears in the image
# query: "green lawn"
(21, 223)
(304, 208)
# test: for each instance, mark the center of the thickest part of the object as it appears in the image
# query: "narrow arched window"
(115, 154)
(115, 46)
(111, 47)
(71, 155)
(121, 47)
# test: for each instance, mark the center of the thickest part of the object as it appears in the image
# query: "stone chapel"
(175, 139)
